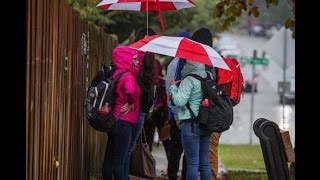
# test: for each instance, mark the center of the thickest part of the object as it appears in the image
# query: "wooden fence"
(63, 54)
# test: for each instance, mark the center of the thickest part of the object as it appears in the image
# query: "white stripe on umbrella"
(107, 2)
(182, 5)
(134, 6)
(169, 49)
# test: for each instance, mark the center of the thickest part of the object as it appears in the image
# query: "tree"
(228, 10)
(88, 11)
(124, 23)
(225, 13)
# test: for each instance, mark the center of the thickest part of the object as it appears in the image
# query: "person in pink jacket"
(126, 109)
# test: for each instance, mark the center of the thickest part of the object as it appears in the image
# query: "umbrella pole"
(147, 18)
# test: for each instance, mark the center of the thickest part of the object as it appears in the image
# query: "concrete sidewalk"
(159, 154)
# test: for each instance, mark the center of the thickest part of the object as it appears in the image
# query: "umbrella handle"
(160, 17)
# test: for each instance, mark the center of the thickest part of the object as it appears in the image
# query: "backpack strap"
(119, 75)
(193, 117)
(202, 81)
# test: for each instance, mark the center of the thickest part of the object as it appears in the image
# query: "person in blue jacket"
(194, 143)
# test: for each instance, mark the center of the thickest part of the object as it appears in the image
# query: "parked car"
(248, 86)
(231, 53)
(271, 31)
(289, 97)
(228, 47)
(226, 43)
(257, 30)
(247, 80)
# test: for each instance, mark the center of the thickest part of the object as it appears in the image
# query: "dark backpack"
(216, 108)
(100, 99)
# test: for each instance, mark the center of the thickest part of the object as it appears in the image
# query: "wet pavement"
(162, 163)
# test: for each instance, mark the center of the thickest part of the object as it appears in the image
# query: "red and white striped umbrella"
(142, 5)
(181, 47)
(146, 5)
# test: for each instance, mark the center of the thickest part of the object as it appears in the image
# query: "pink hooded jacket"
(127, 90)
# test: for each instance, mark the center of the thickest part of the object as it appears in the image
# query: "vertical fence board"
(31, 105)
(54, 18)
(28, 79)
(38, 105)
(51, 85)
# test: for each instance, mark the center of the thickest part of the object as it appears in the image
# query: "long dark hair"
(147, 74)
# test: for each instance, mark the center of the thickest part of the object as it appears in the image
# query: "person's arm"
(170, 76)
(129, 89)
(182, 94)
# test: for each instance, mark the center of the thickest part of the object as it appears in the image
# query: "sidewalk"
(161, 163)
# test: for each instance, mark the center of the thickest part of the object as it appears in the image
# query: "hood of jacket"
(194, 68)
(126, 58)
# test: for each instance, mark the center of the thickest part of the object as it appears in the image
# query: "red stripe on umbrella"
(124, 1)
(105, 6)
(186, 50)
(144, 41)
(155, 6)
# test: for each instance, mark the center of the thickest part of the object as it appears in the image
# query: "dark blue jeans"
(136, 130)
(116, 151)
(196, 149)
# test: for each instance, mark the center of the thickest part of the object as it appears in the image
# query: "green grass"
(240, 175)
(241, 156)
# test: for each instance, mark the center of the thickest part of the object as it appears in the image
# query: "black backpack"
(216, 109)
(100, 99)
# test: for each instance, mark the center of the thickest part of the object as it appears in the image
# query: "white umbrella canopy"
(181, 47)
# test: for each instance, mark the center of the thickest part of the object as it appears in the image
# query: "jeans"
(116, 151)
(196, 149)
(136, 130)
